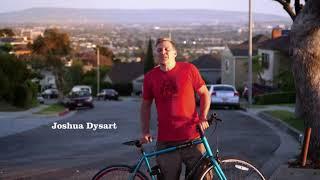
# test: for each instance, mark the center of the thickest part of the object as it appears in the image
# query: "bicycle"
(223, 169)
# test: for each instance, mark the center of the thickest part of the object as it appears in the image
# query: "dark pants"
(171, 163)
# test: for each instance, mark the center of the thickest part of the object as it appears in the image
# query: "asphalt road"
(46, 153)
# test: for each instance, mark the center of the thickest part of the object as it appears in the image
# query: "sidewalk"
(16, 122)
(17, 114)
(281, 156)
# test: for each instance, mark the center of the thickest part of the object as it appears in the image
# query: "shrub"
(123, 89)
(33, 87)
(276, 98)
(22, 96)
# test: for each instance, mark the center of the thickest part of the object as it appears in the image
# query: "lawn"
(6, 107)
(52, 109)
(289, 118)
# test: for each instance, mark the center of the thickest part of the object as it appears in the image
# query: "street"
(46, 153)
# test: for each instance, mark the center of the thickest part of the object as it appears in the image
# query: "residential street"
(46, 153)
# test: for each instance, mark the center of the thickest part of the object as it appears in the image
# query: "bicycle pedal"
(155, 170)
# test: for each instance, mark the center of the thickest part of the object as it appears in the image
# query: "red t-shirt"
(173, 92)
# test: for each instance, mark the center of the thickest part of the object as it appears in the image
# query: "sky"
(261, 6)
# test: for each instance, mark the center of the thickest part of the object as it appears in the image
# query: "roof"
(280, 44)
(208, 61)
(7, 39)
(125, 72)
(242, 49)
(91, 58)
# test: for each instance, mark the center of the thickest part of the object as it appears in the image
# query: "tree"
(15, 79)
(257, 67)
(75, 73)
(107, 52)
(90, 78)
(6, 47)
(148, 60)
(304, 49)
(55, 47)
(6, 32)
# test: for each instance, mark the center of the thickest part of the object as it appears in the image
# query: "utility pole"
(98, 70)
(249, 85)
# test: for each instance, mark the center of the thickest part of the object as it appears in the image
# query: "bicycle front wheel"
(235, 169)
(118, 172)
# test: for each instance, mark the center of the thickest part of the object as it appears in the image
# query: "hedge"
(23, 96)
(276, 98)
(124, 89)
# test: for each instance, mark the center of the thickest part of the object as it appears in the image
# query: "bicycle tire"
(236, 169)
(118, 172)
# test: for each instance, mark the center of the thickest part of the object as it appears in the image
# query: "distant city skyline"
(259, 6)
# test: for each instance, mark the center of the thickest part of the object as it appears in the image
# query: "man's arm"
(145, 112)
(204, 105)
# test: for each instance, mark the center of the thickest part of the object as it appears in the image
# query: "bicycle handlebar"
(213, 118)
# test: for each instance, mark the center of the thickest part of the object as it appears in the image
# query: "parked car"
(109, 94)
(40, 99)
(79, 99)
(81, 88)
(258, 89)
(224, 95)
(50, 93)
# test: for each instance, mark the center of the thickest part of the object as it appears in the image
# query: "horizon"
(269, 7)
(44, 7)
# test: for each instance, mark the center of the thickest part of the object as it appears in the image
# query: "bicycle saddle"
(132, 143)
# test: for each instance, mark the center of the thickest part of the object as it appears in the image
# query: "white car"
(50, 93)
(224, 95)
(40, 99)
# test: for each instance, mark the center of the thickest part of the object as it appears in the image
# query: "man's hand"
(146, 138)
(204, 125)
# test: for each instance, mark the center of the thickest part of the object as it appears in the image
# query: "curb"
(66, 111)
(284, 173)
(281, 125)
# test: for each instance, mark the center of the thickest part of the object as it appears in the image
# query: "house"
(234, 68)
(89, 59)
(127, 74)
(274, 55)
(137, 85)
(209, 66)
(124, 73)
(20, 50)
(19, 45)
(48, 80)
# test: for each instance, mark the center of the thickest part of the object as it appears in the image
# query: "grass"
(266, 105)
(52, 109)
(289, 118)
(258, 106)
(288, 105)
(6, 107)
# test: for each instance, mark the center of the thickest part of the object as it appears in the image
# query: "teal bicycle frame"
(208, 154)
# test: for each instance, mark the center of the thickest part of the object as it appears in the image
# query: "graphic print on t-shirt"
(168, 89)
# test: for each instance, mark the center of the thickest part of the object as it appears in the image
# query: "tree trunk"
(305, 51)
(297, 110)
(59, 83)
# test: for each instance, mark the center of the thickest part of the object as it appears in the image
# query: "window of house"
(265, 60)
(49, 79)
(227, 64)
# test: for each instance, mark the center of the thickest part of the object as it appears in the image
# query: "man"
(172, 84)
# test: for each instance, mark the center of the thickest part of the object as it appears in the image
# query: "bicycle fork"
(214, 162)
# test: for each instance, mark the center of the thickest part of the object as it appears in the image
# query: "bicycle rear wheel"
(118, 172)
(235, 169)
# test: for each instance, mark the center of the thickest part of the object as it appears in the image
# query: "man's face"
(165, 53)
